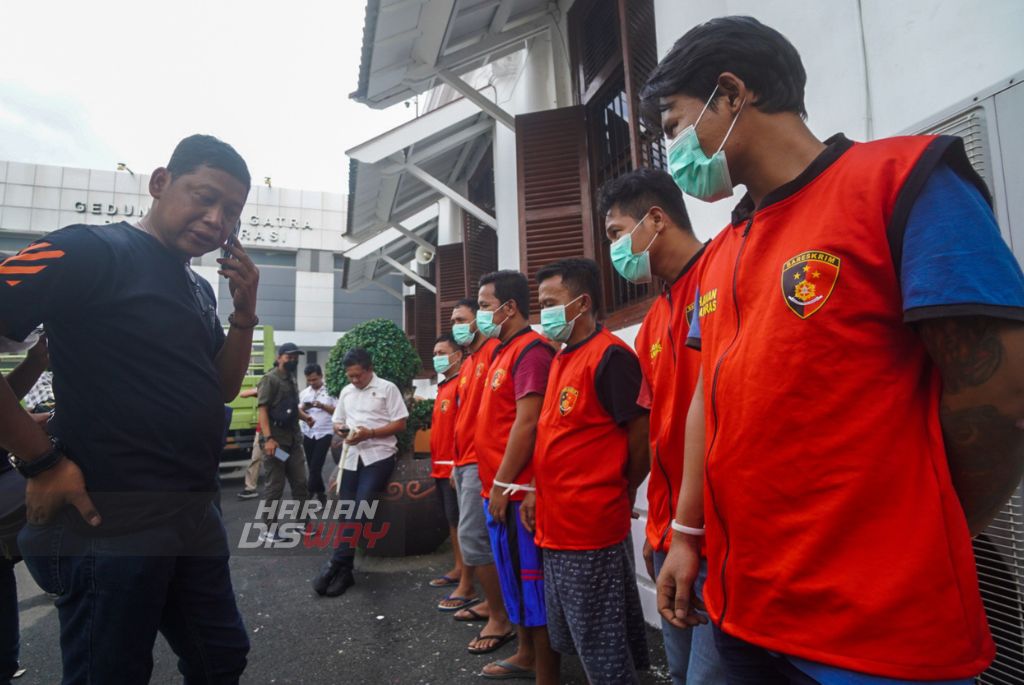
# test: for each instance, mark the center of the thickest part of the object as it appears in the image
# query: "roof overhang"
(407, 44)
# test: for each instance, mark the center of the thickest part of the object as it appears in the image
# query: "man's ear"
(158, 182)
(658, 218)
(735, 91)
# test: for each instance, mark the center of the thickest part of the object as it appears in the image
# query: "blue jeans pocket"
(40, 547)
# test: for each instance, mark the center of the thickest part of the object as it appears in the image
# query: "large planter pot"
(411, 508)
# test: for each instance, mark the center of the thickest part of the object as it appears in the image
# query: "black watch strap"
(31, 469)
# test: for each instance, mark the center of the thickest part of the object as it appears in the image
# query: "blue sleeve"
(693, 336)
(955, 262)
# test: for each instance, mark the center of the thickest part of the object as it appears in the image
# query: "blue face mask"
(634, 267)
(485, 323)
(696, 174)
(463, 333)
(553, 324)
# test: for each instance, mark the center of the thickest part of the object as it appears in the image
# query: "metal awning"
(408, 45)
(396, 180)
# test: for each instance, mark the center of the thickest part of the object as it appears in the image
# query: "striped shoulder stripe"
(32, 260)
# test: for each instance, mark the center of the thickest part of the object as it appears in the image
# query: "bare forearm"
(19, 434)
(392, 428)
(519, 449)
(690, 508)
(982, 365)
(639, 452)
(233, 361)
(25, 375)
(264, 418)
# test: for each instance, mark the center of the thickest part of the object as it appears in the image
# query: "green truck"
(242, 431)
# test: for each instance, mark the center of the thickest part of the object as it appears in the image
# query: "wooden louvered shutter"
(640, 57)
(554, 190)
(426, 327)
(451, 282)
(410, 318)
(481, 251)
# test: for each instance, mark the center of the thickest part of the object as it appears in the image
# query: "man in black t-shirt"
(121, 522)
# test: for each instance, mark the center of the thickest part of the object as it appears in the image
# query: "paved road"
(384, 630)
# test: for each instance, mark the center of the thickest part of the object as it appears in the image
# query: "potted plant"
(409, 505)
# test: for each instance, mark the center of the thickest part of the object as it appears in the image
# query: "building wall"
(922, 57)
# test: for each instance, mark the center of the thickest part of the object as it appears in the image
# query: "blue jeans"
(8, 621)
(115, 593)
(365, 484)
(691, 654)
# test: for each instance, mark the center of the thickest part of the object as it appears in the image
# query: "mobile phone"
(234, 235)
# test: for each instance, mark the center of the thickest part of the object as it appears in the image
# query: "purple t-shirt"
(531, 374)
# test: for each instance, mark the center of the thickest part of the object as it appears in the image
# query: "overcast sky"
(90, 84)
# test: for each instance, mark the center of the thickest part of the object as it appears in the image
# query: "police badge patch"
(808, 280)
(497, 379)
(567, 399)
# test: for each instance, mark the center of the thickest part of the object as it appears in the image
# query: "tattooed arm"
(982, 364)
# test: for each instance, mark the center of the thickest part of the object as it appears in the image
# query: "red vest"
(670, 370)
(472, 379)
(833, 530)
(442, 428)
(498, 410)
(581, 456)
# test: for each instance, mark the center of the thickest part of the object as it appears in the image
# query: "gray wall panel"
(352, 308)
(275, 303)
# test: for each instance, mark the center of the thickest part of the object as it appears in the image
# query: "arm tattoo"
(967, 350)
(986, 459)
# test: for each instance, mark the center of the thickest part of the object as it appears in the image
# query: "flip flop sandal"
(443, 581)
(474, 615)
(511, 671)
(500, 641)
(463, 603)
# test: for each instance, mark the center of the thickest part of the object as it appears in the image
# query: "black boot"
(342, 581)
(328, 574)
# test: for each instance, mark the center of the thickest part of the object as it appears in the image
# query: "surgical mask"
(463, 333)
(634, 267)
(442, 363)
(696, 174)
(553, 324)
(485, 323)
(291, 367)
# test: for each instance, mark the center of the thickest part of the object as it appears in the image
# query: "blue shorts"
(520, 568)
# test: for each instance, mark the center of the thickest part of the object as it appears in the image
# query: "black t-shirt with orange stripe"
(132, 334)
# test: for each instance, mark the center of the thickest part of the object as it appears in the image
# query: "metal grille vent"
(971, 127)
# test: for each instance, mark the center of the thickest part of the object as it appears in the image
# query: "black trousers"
(316, 453)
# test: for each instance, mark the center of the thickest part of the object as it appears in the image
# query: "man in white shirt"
(315, 409)
(370, 413)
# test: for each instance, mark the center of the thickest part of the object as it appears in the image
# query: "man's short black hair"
(201, 150)
(357, 356)
(467, 302)
(312, 368)
(768, 64)
(510, 285)
(578, 275)
(447, 338)
(635, 192)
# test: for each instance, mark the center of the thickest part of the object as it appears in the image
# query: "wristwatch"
(31, 469)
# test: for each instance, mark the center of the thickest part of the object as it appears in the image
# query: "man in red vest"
(591, 456)
(474, 540)
(505, 435)
(647, 206)
(862, 389)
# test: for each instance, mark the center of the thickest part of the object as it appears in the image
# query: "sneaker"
(248, 494)
(342, 581)
(327, 574)
(272, 538)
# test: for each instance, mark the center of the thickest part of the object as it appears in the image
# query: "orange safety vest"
(834, 533)
(472, 379)
(670, 370)
(581, 456)
(442, 428)
(498, 410)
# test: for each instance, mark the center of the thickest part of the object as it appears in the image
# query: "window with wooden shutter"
(425, 327)
(481, 251)
(555, 202)
(451, 282)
